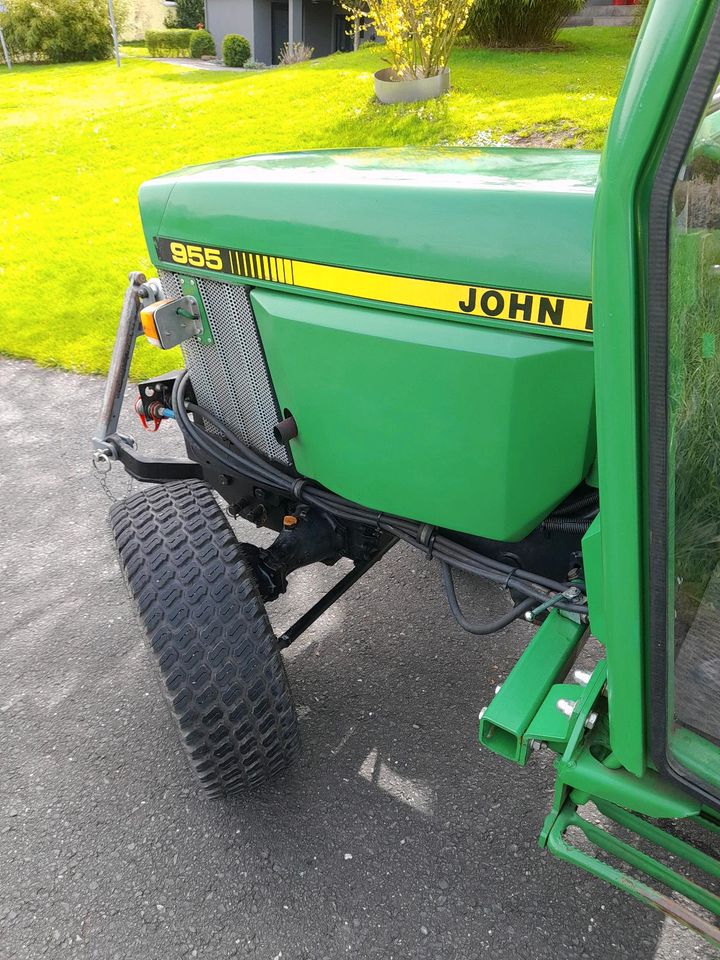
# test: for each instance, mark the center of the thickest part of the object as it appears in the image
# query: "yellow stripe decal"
(477, 301)
(544, 310)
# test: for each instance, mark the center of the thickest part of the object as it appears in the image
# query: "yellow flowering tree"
(419, 35)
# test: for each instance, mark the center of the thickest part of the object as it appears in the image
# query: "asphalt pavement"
(395, 836)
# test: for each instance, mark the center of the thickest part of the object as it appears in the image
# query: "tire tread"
(220, 669)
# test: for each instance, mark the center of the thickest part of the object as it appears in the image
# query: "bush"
(189, 13)
(236, 50)
(295, 53)
(252, 64)
(419, 34)
(201, 44)
(168, 43)
(518, 23)
(58, 31)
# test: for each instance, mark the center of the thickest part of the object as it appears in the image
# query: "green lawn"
(78, 140)
(134, 48)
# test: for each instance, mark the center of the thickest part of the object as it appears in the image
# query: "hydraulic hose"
(238, 457)
(479, 629)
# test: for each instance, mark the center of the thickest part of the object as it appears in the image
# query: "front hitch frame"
(146, 469)
(139, 293)
(109, 445)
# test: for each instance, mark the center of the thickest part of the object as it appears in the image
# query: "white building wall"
(230, 16)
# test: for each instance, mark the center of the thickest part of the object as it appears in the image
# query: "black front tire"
(208, 633)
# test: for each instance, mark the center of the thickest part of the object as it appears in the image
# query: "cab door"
(657, 303)
(683, 409)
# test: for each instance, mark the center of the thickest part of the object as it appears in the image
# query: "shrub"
(236, 50)
(201, 44)
(189, 13)
(295, 53)
(168, 43)
(252, 64)
(518, 23)
(419, 34)
(58, 31)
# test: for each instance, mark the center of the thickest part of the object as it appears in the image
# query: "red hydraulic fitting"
(154, 417)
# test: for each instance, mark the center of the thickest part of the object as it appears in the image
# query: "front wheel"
(218, 662)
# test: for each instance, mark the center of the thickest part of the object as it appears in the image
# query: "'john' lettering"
(492, 303)
(469, 306)
(551, 311)
(520, 305)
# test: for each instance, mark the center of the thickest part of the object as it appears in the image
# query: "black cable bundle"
(239, 458)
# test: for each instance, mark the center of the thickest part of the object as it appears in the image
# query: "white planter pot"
(388, 90)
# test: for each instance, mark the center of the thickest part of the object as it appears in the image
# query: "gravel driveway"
(395, 836)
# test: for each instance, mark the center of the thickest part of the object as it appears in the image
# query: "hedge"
(169, 43)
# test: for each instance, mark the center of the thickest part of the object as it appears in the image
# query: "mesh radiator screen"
(230, 376)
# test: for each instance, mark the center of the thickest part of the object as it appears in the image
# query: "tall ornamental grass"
(518, 23)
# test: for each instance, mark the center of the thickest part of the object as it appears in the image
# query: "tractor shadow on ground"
(443, 835)
(394, 836)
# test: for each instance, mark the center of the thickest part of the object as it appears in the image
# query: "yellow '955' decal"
(521, 307)
(194, 255)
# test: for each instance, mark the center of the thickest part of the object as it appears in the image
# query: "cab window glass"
(694, 432)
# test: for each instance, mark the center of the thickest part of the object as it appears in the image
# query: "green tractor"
(508, 359)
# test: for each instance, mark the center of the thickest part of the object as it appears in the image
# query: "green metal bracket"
(550, 725)
(604, 840)
(190, 289)
(587, 772)
(578, 735)
(649, 795)
(586, 768)
(505, 722)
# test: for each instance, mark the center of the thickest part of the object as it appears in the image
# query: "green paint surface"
(657, 78)
(515, 219)
(431, 419)
(519, 702)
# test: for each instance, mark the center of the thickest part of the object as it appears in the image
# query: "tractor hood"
(393, 294)
(501, 218)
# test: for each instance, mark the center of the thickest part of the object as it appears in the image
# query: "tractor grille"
(230, 376)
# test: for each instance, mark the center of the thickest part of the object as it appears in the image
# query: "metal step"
(605, 839)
